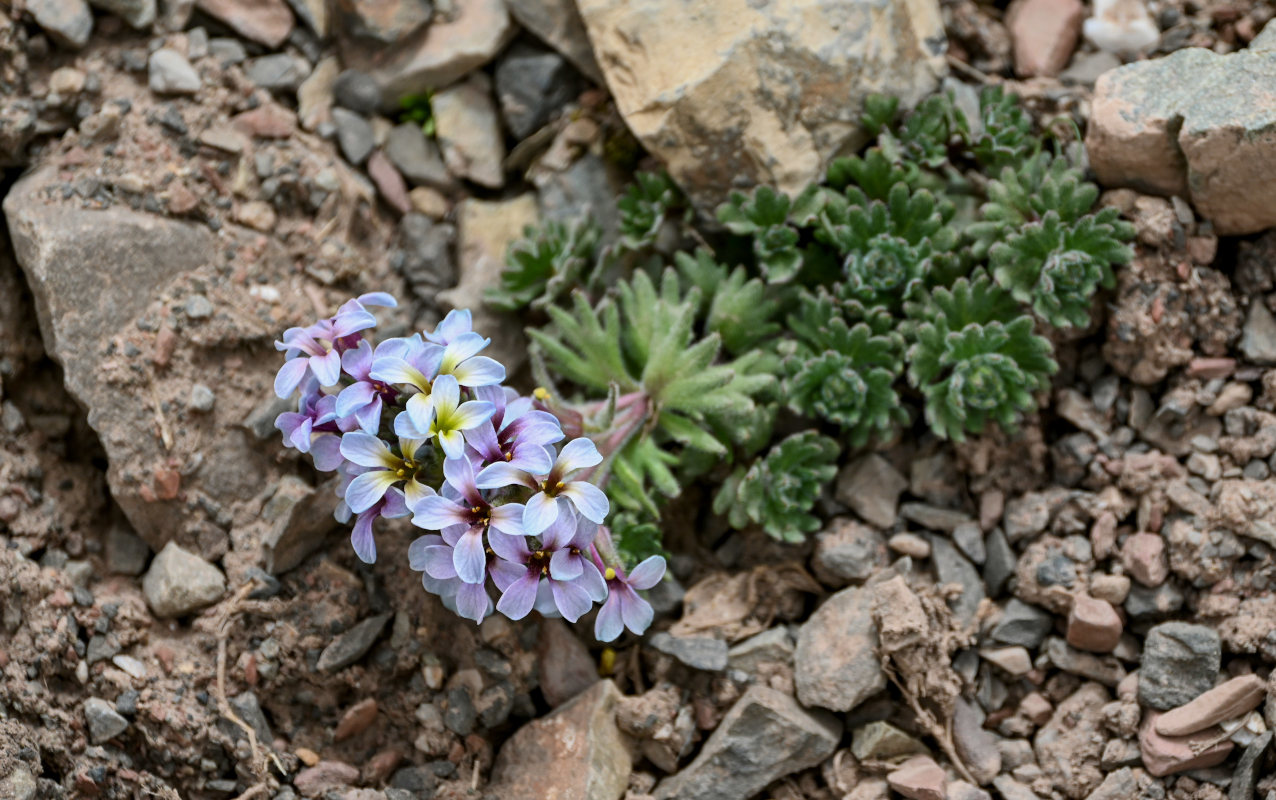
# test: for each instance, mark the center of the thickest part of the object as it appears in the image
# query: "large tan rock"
(1178, 126)
(735, 93)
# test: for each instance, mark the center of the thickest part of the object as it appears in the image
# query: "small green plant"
(913, 283)
(416, 108)
(778, 491)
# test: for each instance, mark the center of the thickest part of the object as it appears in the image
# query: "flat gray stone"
(765, 736)
(836, 664)
(351, 646)
(168, 72)
(104, 722)
(698, 652)
(1022, 624)
(871, 487)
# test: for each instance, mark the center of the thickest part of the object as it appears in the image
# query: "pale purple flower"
(431, 556)
(365, 398)
(415, 365)
(445, 416)
(316, 350)
(392, 506)
(469, 511)
(556, 489)
(313, 428)
(624, 607)
(550, 578)
(515, 434)
(458, 321)
(385, 469)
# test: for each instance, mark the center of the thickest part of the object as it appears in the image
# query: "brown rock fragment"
(266, 21)
(1093, 625)
(1166, 755)
(919, 778)
(356, 719)
(1225, 701)
(1045, 34)
(1143, 556)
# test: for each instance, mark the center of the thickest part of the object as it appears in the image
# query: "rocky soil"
(1086, 611)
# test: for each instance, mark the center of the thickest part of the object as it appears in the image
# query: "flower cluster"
(421, 426)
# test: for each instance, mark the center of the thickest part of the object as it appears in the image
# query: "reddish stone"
(380, 766)
(1225, 701)
(180, 199)
(165, 344)
(168, 482)
(389, 182)
(356, 719)
(919, 778)
(1143, 556)
(1166, 755)
(1103, 535)
(1045, 34)
(1093, 625)
(60, 599)
(1210, 368)
(1036, 708)
(267, 121)
(266, 21)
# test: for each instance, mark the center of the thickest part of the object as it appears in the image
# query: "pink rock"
(1143, 556)
(1045, 34)
(1210, 368)
(356, 719)
(267, 121)
(389, 182)
(919, 778)
(318, 780)
(266, 21)
(1225, 701)
(1166, 755)
(1093, 625)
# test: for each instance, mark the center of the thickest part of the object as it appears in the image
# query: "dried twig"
(941, 733)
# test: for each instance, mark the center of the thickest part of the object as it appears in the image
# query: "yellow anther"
(610, 574)
(509, 456)
(401, 472)
(607, 662)
(558, 485)
(541, 393)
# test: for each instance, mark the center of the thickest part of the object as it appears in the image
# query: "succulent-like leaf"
(1003, 135)
(779, 490)
(973, 368)
(739, 309)
(1055, 267)
(544, 264)
(843, 373)
(649, 201)
(764, 216)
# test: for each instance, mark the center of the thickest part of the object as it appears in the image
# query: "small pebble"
(201, 398)
(909, 544)
(1093, 625)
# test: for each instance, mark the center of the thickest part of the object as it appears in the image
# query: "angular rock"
(126, 553)
(1180, 662)
(1107, 670)
(773, 645)
(390, 184)
(265, 21)
(469, 132)
(417, 157)
(1226, 701)
(1258, 337)
(1010, 789)
(1123, 27)
(880, 741)
(1044, 33)
(1000, 561)
(566, 668)
(531, 84)
(933, 518)
(298, 521)
(746, 96)
(871, 487)
(439, 54)
(577, 751)
(558, 24)
(1022, 624)
(1093, 625)
(350, 646)
(952, 567)
(169, 72)
(324, 777)
(354, 135)
(1168, 126)
(1245, 776)
(587, 188)
(380, 21)
(836, 664)
(975, 744)
(1143, 556)
(314, 95)
(278, 72)
(698, 652)
(139, 14)
(1166, 755)
(919, 778)
(765, 736)
(847, 552)
(103, 720)
(68, 22)
(248, 708)
(180, 582)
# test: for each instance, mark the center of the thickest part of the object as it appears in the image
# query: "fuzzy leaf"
(652, 199)
(764, 215)
(546, 262)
